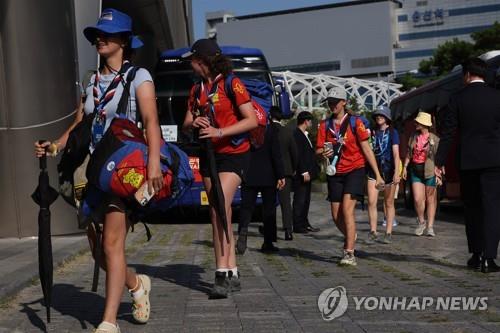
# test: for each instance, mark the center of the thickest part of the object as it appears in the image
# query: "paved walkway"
(280, 292)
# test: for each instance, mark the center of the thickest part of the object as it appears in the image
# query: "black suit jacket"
(266, 163)
(305, 155)
(288, 148)
(475, 112)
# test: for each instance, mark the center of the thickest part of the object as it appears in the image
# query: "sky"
(244, 7)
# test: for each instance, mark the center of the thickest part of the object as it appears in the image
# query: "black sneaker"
(221, 286)
(234, 281)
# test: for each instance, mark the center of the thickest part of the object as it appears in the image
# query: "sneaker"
(106, 327)
(221, 286)
(372, 237)
(430, 232)
(348, 259)
(394, 223)
(387, 239)
(141, 307)
(419, 230)
(234, 281)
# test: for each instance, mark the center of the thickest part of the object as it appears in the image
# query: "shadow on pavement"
(186, 275)
(70, 300)
(33, 316)
(392, 257)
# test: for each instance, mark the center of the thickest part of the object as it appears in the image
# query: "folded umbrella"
(217, 194)
(44, 196)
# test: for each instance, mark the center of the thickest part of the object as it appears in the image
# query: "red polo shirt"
(226, 114)
(352, 157)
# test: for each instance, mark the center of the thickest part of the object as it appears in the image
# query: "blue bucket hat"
(112, 21)
(382, 110)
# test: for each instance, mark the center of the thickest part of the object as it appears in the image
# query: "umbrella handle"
(42, 160)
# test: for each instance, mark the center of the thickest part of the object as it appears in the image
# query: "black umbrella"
(44, 196)
(217, 194)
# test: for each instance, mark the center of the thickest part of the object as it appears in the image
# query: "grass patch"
(319, 274)
(393, 271)
(299, 258)
(489, 316)
(434, 272)
(151, 256)
(435, 318)
(165, 239)
(276, 263)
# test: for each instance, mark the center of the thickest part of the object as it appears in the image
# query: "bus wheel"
(408, 195)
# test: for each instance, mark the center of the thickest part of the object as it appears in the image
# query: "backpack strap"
(228, 87)
(124, 99)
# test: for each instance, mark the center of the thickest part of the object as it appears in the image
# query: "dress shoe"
(241, 244)
(474, 262)
(310, 228)
(268, 248)
(489, 266)
(300, 231)
(288, 236)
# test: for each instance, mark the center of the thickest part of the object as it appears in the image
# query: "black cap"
(203, 47)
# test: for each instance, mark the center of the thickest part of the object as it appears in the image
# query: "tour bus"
(433, 98)
(174, 78)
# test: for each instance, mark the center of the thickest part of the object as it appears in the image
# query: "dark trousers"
(286, 204)
(301, 201)
(248, 198)
(481, 196)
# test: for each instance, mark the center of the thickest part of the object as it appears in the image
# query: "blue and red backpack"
(118, 164)
(261, 94)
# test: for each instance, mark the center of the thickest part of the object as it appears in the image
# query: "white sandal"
(141, 307)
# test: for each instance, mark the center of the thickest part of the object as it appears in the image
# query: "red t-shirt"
(352, 157)
(226, 114)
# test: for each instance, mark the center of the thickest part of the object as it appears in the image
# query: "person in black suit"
(289, 155)
(265, 175)
(307, 170)
(475, 112)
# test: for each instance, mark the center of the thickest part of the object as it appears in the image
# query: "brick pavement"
(280, 291)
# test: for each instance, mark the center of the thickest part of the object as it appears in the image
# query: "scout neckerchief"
(208, 108)
(100, 103)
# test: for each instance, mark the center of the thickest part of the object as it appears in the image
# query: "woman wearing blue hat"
(385, 143)
(114, 42)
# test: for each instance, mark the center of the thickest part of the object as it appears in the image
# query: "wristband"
(219, 133)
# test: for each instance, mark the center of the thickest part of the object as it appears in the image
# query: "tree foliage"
(447, 56)
(487, 40)
(454, 52)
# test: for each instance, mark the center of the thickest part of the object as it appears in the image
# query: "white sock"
(235, 271)
(108, 323)
(138, 294)
(223, 270)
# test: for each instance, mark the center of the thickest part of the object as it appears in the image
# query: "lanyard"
(381, 143)
(338, 137)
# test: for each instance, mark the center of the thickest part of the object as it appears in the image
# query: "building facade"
(351, 38)
(422, 25)
(365, 38)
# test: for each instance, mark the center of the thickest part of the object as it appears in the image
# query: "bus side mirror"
(278, 89)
